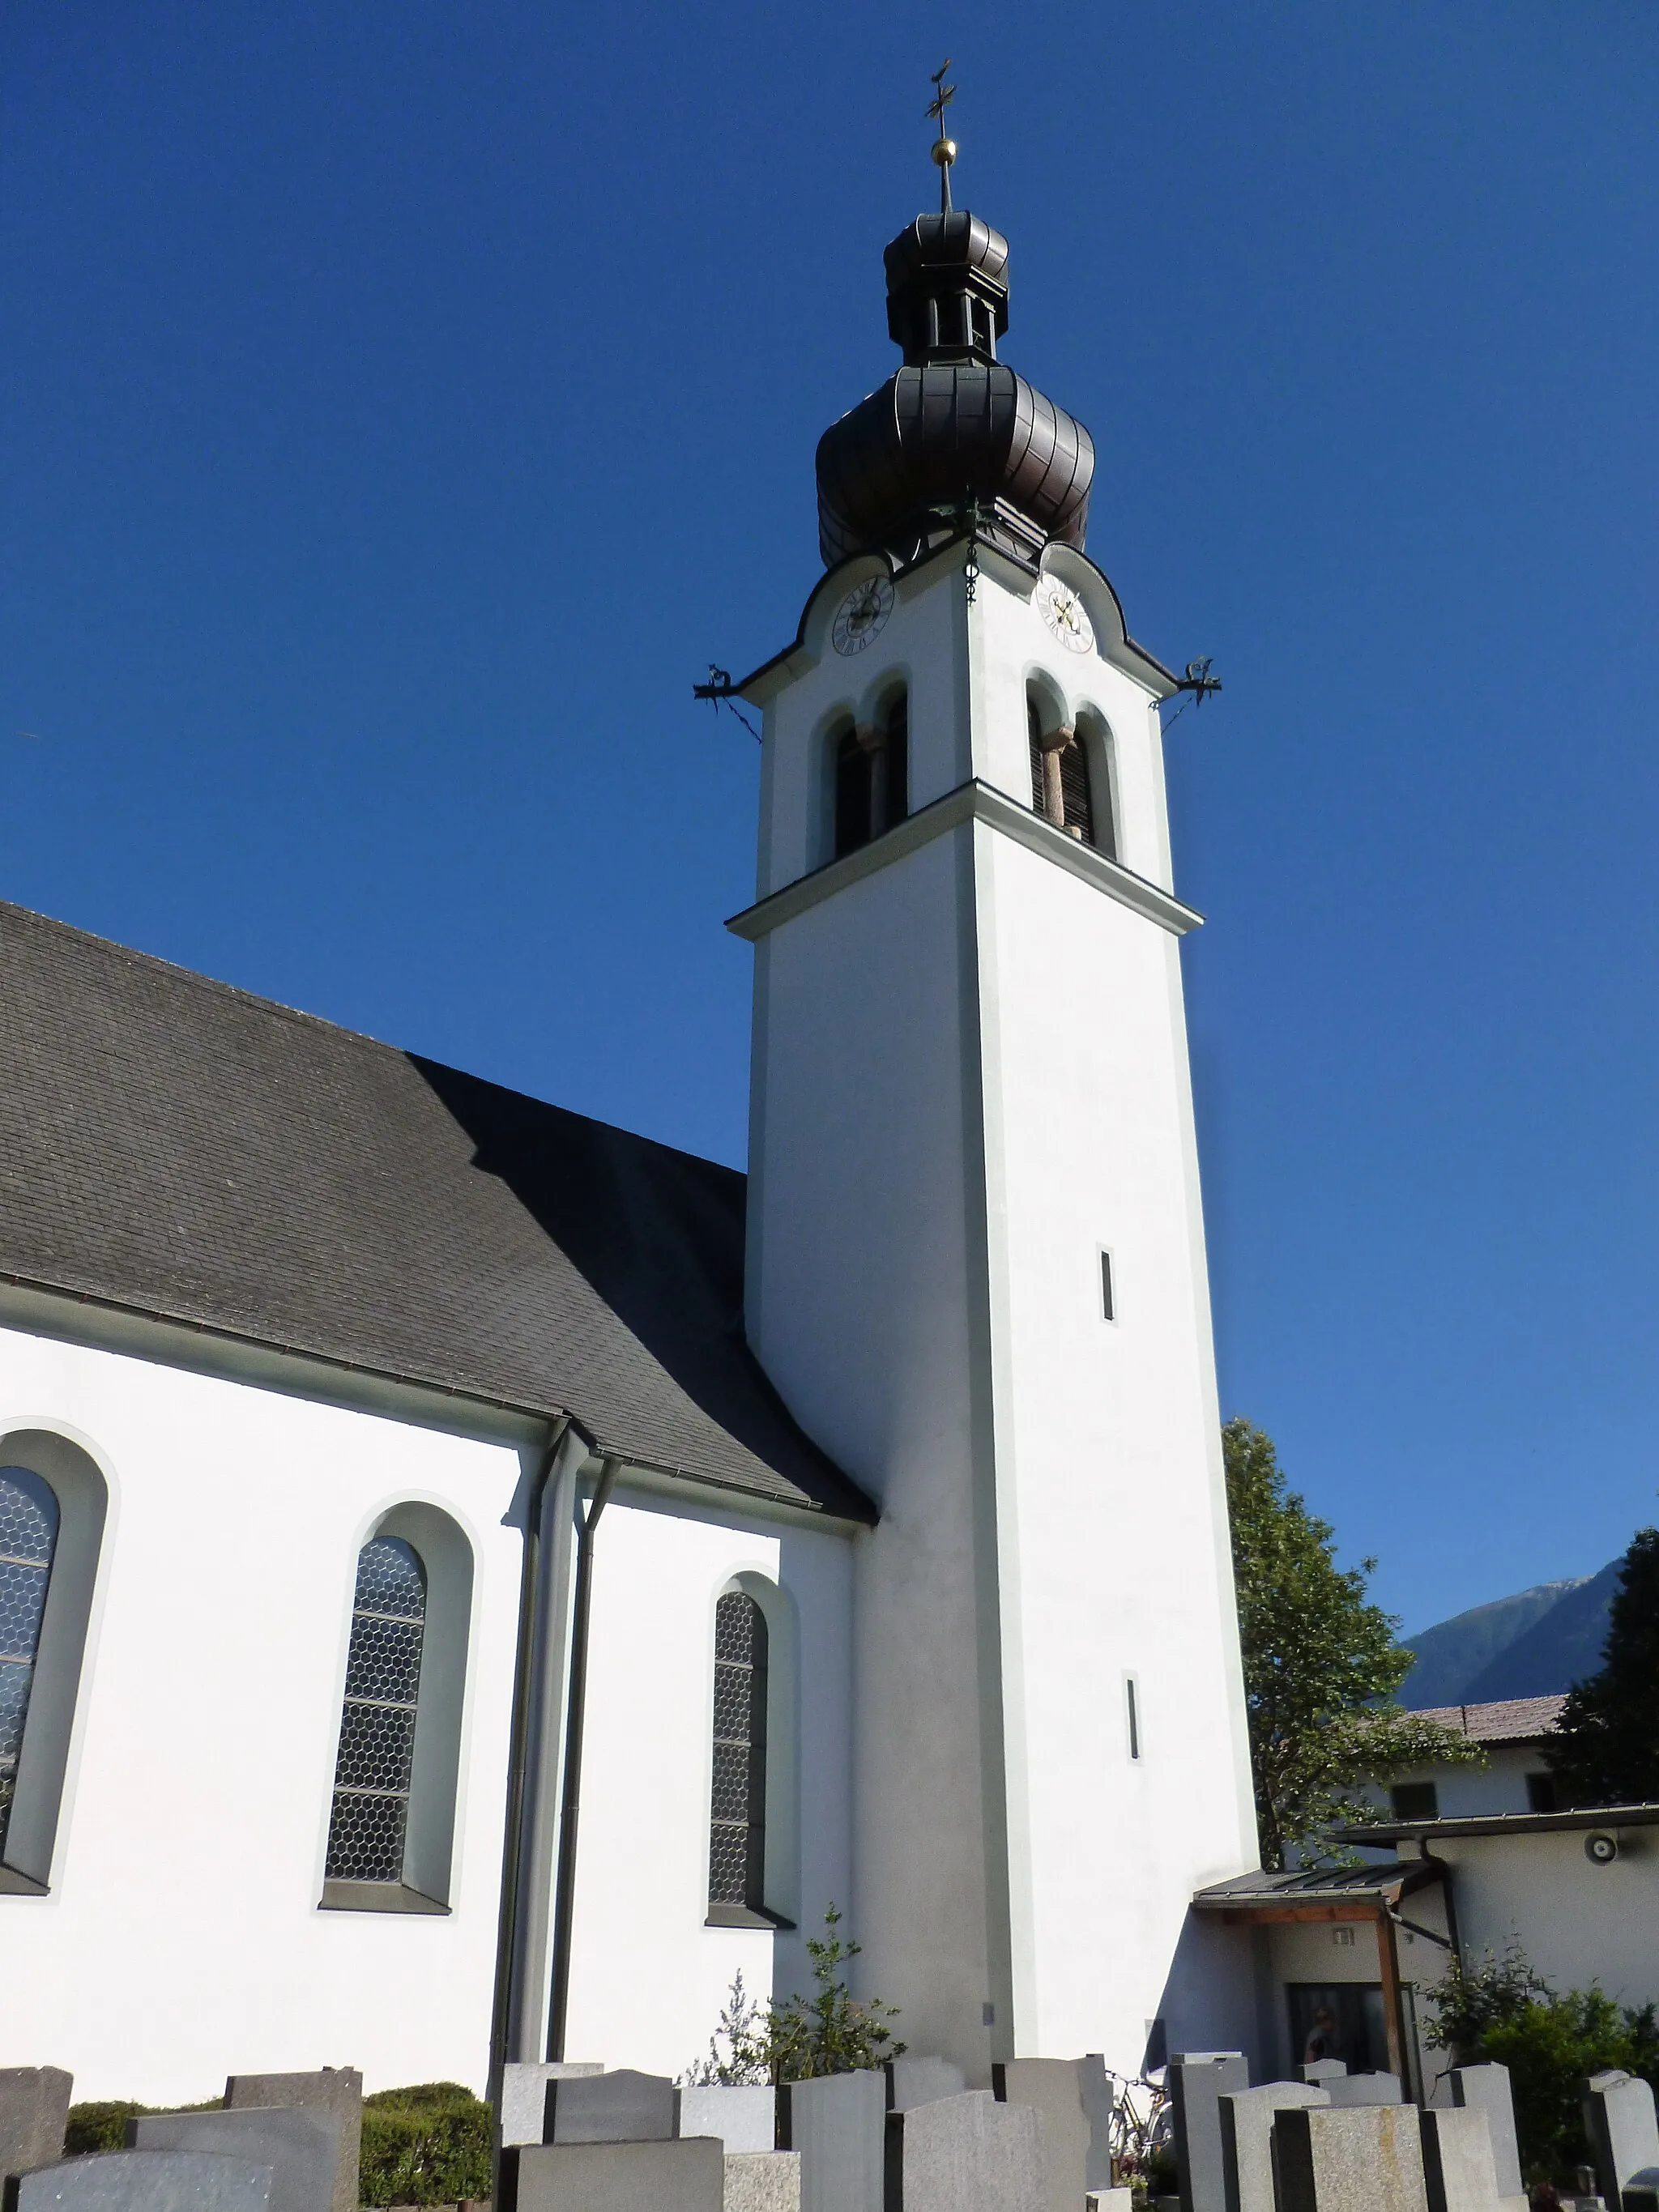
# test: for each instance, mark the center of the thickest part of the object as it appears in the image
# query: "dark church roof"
(174, 1146)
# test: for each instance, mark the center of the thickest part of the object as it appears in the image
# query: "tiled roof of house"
(1509, 1720)
(174, 1146)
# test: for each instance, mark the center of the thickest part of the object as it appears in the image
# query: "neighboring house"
(393, 1466)
(1461, 1859)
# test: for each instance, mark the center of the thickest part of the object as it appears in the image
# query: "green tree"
(1606, 1749)
(1320, 1664)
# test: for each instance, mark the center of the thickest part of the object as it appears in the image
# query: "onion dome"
(954, 431)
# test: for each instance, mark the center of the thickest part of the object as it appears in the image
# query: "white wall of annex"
(649, 1979)
(181, 1939)
(1112, 1521)
(1576, 1923)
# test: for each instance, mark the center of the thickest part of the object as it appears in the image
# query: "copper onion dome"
(954, 431)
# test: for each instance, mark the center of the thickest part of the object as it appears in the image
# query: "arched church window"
(368, 1827)
(1061, 785)
(29, 1540)
(736, 1826)
(873, 776)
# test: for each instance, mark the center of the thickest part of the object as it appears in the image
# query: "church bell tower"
(976, 1268)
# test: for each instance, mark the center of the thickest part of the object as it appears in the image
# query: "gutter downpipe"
(513, 1844)
(564, 1896)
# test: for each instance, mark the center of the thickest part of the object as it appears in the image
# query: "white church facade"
(473, 1579)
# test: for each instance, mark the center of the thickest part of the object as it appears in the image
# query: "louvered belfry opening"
(1076, 795)
(872, 778)
(736, 1827)
(369, 1822)
(28, 1538)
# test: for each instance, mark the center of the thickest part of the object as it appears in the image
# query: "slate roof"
(1505, 1720)
(1296, 1888)
(172, 1146)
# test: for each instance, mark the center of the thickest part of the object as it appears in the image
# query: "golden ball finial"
(944, 152)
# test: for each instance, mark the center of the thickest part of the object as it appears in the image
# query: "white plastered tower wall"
(970, 1078)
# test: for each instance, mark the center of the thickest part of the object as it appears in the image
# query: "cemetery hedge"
(425, 2145)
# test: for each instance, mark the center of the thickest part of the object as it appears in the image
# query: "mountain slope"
(1533, 1645)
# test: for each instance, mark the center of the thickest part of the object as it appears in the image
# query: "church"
(473, 1580)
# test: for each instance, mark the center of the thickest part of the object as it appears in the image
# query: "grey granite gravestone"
(1366, 2159)
(1197, 2079)
(1618, 2120)
(34, 2102)
(1324, 2070)
(613, 2177)
(612, 2108)
(523, 2110)
(762, 2181)
(146, 2181)
(835, 2123)
(330, 2090)
(1109, 2200)
(1051, 2087)
(965, 2153)
(1487, 2089)
(301, 2147)
(913, 2082)
(1364, 2089)
(745, 2120)
(1247, 2118)
(1099, 2102)
(1458, 2169)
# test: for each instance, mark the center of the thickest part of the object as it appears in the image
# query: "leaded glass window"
(370, 1817)
(736, 1827)
(28, 1537)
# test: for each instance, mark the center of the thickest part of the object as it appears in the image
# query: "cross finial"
(944, 150)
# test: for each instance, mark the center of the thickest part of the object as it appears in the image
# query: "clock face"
(861, 614)
(1063, 613)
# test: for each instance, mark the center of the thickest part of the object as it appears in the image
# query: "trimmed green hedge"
(429, 2144)
(426, 2145)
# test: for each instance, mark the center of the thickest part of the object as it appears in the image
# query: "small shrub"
(831, 2032)
(426, 2144)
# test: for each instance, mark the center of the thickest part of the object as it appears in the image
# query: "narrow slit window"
(368, 1828)
(1108, 1295)
(29, 1540)
(1132, 1715)
(737, 1824)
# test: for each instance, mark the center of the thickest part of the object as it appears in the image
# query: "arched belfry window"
(368, 1825)
(392, 1814)
(1061, 784)
(737, 1824)
(872, 776)
(29, 1540)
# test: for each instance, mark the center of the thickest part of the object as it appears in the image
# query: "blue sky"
(403, 404)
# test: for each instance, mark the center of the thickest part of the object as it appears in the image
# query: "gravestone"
(330, 2090)
(1198, 2081)
(300, 2146)
(1365, 2089)
(913, 2082)
(965, 2153)
(1099, 2100)
(1366, 2159)
(622, 2107)
(1324, 2070)
(762, 2181)
(523, 2111)
(1051, 2086)
(1247, 2140)
(836, 2124)
(34, 2102)
(1109, 2200)
(745, 2120)
(1487, 2089)
(1618, 2120)
(613, 2177)
(146, 2181)
(1458, 2169)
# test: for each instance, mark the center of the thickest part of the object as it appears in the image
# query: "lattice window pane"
(370, 1817)
(28, 1538)
(737, 1833)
